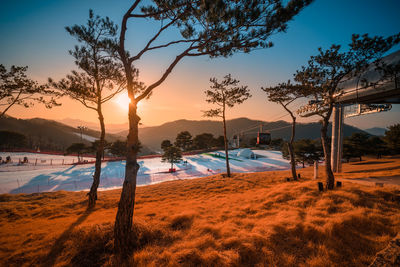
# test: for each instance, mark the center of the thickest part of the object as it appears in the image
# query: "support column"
(335, 139)
(340, 139)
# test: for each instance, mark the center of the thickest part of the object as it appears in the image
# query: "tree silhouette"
(284, 94)
(100, 80)
(165, 144)
(392, 138)
(17, 89)
(321, 79)
(172, 155)
(118, 148)
(184, 140)
(10, 140)
(210, 28)
(204, 141)
(225, 94)
(78, 148)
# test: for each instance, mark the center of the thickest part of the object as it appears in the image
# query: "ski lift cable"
(280, 116)
(270, 130)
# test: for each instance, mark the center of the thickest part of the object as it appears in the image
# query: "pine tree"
(392, 138)
(16, 88)
(321, 79)
(225, 94)
(184, 140)
(100, 79)
(209, 28)
(284, 94)
(172, 155)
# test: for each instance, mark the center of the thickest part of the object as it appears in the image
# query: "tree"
(277, 143)
(95, 146)
(100, 73)
(305, 151)
(359, 144)
(219, 141)
(11, 140)
(284, 94)
(377, 145)
(184, 140)
(225, 94)
(203, 141)
(165, 144)
(118, 148)
(78, 148)
(172, 155)
(17, 89)
(392, 138)
(209, 28)
(321, 79)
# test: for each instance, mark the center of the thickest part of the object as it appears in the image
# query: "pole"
(340, 139)
(334, 145)
(315, 170)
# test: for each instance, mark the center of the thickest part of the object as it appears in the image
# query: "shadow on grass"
(375, 170)
(59, 244)
(371, 162)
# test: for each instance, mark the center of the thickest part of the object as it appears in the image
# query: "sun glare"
(123, 101)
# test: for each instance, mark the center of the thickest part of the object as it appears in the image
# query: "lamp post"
(81, 129)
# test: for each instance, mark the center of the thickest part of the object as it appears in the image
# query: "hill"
(49, 134)
(153, 136)
(376, 131)
(110, 128)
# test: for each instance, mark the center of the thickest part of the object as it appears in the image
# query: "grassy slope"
(248, 220)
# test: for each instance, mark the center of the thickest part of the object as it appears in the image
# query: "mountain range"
(153, 136)
(54, 135)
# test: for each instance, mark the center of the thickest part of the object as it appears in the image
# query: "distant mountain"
(110, 128)
(153, 136)
(376, 131)
(52, 135)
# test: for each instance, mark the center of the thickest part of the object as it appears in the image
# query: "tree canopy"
(172, 155)
(184, 140)
(16, 88)
(392, 138)
(321, 79)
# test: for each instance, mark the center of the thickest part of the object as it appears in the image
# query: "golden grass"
(252, 219)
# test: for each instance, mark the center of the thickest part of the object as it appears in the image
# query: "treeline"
(10, 140)
(186, 142)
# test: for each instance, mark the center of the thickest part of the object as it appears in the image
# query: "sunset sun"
(122, 100)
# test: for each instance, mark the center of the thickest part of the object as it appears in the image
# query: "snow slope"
(30, 179)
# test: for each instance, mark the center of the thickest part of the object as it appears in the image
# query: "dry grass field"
(253, 219)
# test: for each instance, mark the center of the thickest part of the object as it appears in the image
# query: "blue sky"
(33, 34)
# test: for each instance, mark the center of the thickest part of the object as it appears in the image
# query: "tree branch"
(164, 76)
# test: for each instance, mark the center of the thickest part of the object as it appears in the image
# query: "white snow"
(87, 137)
(28, 178)
(245, 153)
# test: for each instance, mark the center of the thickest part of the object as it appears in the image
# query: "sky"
(32, 34)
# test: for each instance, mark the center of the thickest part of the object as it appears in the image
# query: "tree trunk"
(99, 152)
(291, 149)
(228, 169)
(330, 178)
(124, 218)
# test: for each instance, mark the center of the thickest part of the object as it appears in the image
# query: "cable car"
(263, 138)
